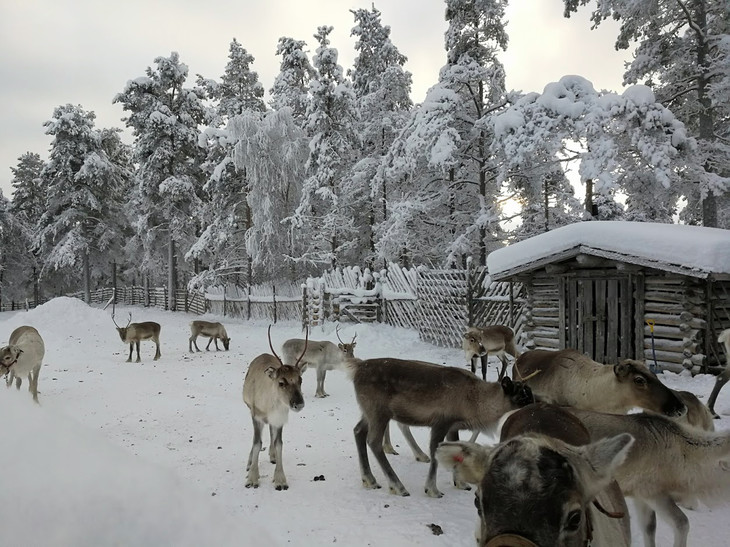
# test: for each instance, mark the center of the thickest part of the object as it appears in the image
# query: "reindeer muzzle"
(510, 540)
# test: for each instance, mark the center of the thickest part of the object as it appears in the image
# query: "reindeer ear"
(603, 458)
(622, 370)
(467, 460)
(508, 386)
(271, 372)
(302, 367)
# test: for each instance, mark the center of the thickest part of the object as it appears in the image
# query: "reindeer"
(669, 462)
(23, 356)
(134, 332)
(213, 331)
(698, 415)
(423, 394)
(270, 389)
(495, 339)
(568, 377)
(724, 376)
(545, 483)
(322, 356)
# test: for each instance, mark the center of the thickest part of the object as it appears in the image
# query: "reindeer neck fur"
(591, 381)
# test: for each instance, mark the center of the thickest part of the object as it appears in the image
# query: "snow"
(693, 247)
(154, 453)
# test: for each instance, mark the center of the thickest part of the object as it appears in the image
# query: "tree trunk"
(87, 279)
(171, 274)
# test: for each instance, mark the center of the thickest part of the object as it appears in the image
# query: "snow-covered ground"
(154, 453)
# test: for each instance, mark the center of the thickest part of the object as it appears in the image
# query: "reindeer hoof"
(282, 487)
(252, 485)
(399, 491)
(433, 493)
(423, 458)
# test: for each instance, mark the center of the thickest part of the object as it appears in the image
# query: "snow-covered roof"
(690, 250)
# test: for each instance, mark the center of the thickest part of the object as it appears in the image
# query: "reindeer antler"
(337, 332)
(272, 348)
(306, 340)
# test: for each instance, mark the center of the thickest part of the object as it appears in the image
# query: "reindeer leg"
(646, 517)
(190, 344)
(387, 446)
(375, 442)
(438, 432)
(157, 350)
(33, 379)
(361, 434)
(485, 359)
(137, 347)
(503, 358)
(131, 349)
(279, 477)
(669, 511)
(419, 454)
(9, 379)
(321, 373)
(252, 478)
(207, 348)
(216, 343)
(720, 381)
(473, 364)
(272, 449)
(18, 382)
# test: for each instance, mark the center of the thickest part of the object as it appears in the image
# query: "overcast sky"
(54, 52)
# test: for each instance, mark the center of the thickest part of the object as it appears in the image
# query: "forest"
(224, 183)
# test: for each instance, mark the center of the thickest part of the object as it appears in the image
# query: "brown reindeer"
(23, 356)
(322, 356)
(214, 332)
(495, 339)
(724, 376)
(133, 333)
(545, 483)
(270, 390)
(423, 394)
(568, 377)
(669, 462)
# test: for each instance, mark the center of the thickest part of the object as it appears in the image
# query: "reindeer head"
(226, 342)
(646, 390)
(123, 330)
(8, 357)
(288, 377)
(347, 349)
(471, 343)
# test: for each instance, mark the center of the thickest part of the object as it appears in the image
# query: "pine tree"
(291, 85)
(17, 261)
(325, 212)
(82, 223)
(164, 116)
(683, 53)
(29, 197)
(224, 216)
(382, 88)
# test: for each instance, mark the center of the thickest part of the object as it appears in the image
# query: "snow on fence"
(275, 302)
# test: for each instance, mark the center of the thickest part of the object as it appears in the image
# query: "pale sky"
(54, 52)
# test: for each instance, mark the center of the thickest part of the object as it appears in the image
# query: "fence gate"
(442, 296)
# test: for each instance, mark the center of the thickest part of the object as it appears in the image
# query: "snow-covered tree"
(83, 224)
(291, 85)
(683, 53)
(326, 209)
(632, 144)
(224, 215)
(29, 196)
(165, 117)
(382, 88)
(17, 262)
(440, 165)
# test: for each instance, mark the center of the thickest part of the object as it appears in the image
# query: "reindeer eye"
(282, 383)
(640, 381)
(572, 523)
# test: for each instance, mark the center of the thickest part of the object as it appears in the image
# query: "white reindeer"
(23, 356)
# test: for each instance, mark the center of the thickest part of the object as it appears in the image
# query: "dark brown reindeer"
(133, 333)
(545, 483)
(423, 394)
(479, 342)
(214, 332)
(270, 390)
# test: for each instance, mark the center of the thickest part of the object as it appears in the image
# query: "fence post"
(469, 294)
(274, 293)
(224, 300)
(304, 307)
(248, 302)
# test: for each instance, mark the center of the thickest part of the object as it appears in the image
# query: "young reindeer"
(495, 339)
(669, 462)
(134, 332)
(322, 356)
(214, 332)
(270, 390)
(545, 483)
(23, 356)
(423, 394)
